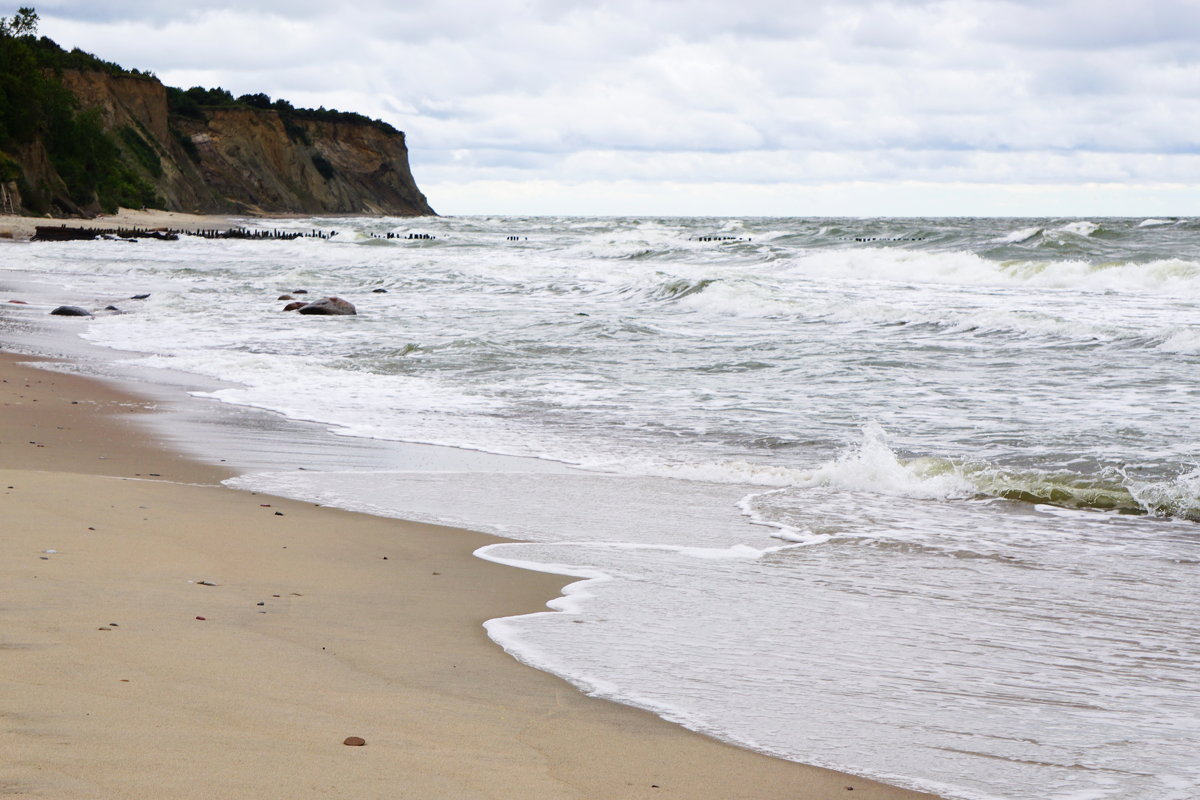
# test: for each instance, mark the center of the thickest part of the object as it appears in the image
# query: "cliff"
(235, 159)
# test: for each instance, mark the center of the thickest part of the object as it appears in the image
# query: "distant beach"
(20, 227)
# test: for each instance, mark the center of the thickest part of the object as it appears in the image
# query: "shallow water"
(909, 498)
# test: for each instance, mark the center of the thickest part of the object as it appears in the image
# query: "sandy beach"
(22, 228)
(162, 636)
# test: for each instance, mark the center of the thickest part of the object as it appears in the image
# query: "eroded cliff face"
(246, 160)
(252, 159)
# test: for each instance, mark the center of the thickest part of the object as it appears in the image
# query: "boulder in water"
(295, 305)
(330, 306)
(71, 311)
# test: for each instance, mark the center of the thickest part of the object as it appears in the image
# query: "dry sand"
(17, 227)
(123, 676)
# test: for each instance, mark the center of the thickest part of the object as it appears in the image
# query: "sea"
(916, 499)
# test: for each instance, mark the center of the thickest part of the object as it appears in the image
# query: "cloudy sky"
(757, 107)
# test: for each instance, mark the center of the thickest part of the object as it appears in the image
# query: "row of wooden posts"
(67, 233)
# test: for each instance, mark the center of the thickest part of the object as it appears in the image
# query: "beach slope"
(162, 636)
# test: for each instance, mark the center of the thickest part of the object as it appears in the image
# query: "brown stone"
(329, 306)
(354, 741)
(294, 305)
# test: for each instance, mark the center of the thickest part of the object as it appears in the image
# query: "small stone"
(379, 291)
(201, 618)
(206, 583)
(279, 513)
(354, 741)
(139, 297)
(261, 603)
(285, 297)
(294, 305)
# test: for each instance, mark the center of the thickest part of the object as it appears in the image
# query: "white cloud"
(681, 93)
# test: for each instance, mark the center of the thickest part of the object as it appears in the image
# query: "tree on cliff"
(38, 114)
(24, 23)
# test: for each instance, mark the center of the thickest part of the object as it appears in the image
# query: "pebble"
(354, 741)
(201, 618)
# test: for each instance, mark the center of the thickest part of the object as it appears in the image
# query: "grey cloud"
(665, 89)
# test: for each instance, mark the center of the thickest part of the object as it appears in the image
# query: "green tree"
(24, 23)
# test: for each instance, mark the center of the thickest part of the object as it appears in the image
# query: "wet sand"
(122, 675)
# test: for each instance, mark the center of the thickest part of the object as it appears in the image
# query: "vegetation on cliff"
(35, 106)
(76, 138)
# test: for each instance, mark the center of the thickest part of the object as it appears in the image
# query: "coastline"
(21, 228)
(369, 627)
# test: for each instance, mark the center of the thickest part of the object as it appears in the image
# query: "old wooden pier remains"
(67, 233)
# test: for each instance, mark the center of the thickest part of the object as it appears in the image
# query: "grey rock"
(71, 311)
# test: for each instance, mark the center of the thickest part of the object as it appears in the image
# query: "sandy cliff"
(238, 160)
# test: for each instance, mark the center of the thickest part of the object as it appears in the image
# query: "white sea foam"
(1185, 341)
(874, 467)
(1020, 236)
(1079, 228)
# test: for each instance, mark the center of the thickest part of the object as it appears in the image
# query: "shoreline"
(15, 227)
(20, 228)
(369, 627)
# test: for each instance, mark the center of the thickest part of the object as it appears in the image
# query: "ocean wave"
(1020, 236)
(963, 268)
(873, 467)
(1079, 228)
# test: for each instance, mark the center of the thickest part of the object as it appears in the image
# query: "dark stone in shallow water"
(71, 311)
(294, 305)
(331, 306)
